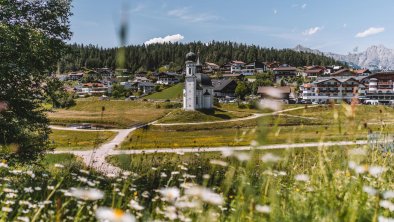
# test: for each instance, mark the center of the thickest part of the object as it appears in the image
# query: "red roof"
(314, 71)
(285, 69)
(361, 71)
(237, 62)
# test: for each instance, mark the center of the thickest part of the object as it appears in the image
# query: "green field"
(172, 93)
(321, 125)
(68, 161)
(118, 114)
(181, 116)
(79, 140)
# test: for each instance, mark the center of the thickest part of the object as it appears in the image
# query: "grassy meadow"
(305, 184)
(79, 140)
(181, 116)
(118, 114)
(313, 124)
(172, 93)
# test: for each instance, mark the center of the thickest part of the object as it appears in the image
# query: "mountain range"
(376, 57)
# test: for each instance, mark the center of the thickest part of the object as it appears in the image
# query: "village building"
(284, 72)
(167, 78)
(253, 68)
(210, 67)
(237, 66)
(224, 87)
(337, 89)
(198, 89)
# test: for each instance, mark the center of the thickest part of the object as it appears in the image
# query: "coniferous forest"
(152, 57)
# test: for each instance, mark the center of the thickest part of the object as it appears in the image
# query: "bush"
(242, 106)
(172, 105)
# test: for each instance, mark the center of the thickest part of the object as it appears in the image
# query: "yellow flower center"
(118, 213)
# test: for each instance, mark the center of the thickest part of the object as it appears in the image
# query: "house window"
(196, 100)
(190, 70)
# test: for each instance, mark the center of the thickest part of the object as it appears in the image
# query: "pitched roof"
(204, 80)
(237, 62)
(313, 71)
(285, 69)
(361, 71)
(341, 71)
(220, 84)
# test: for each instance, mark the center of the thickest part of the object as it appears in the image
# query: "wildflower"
(369, 190)
(113, 215)
(271, 104)
(205, 195)
(170, 194)
(3, 165)
(30, 173)
(84, 172)
(23, 219)
(8, 190)
(6, 209)
(135, 205)
(387, 205)
(227, 152)
(388, 194)
(254, 143)
(87, 194)
(175, 173)
(357, 152)
(28, 190)
(376, 170)
(163, 175)
(145, 194)
(242, 156)
(263, 209)
(187, 204)
(269, 157)
(59, 165)
(218, 162)
(302, 177)
(170, 213)
(37, 188)
(385, 219)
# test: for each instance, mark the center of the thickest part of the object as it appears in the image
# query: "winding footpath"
(96, 158)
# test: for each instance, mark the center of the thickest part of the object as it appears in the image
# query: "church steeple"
(198, 57)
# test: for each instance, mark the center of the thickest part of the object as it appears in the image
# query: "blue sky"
(328, 25)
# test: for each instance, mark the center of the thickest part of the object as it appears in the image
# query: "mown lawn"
(171, 93)
(118, 114)
(79, 140)
(181, 116)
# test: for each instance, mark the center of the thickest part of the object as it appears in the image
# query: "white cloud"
(312, 31)
(303, 6)
(186, 14)
(345, 25)
(168, 38)
(138, 8)
(275, 11)
(369, 32)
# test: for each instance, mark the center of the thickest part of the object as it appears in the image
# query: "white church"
(198, 90)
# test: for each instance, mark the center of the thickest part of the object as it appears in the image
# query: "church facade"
(198, 89)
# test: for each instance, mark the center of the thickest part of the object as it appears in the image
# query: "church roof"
(204, 80)
(191, 56)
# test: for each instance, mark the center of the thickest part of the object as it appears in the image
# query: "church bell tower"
(189, 92)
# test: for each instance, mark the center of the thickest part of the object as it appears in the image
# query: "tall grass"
(315, 184)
